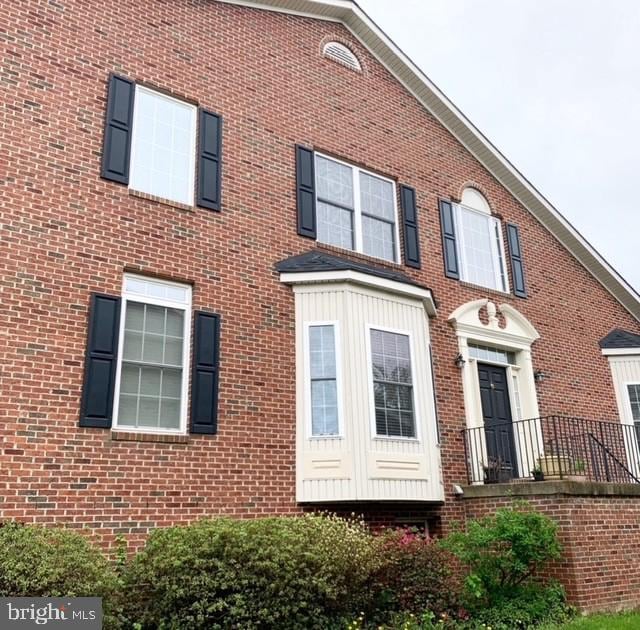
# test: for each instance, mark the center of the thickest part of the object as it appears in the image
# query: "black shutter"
(209, 160)
(204, 380)
(448, 225)
(117, 132)
(100, 362)
(306, 184)
(411, 235)
(517, 266)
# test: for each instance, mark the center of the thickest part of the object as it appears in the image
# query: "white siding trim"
(358, 277)
(614, 352)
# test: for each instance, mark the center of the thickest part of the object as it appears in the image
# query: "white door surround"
(505, 328)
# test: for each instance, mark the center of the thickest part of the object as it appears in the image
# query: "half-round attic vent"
(340, 53)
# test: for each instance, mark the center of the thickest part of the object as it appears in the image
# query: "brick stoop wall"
(599, 527)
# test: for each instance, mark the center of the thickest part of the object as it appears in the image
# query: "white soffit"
(414, 80)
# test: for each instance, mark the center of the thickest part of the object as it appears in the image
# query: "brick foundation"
(599, 527)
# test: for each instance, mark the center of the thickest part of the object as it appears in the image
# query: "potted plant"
(537, 473)
(554, 466)
(578, 471)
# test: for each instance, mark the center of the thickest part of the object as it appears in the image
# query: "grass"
(623, 621)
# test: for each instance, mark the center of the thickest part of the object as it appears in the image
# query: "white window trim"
(192, 143)
(307, 376)
(497, 249)
(128, 296)
(370, 375)
(357, 208)
(627, 396)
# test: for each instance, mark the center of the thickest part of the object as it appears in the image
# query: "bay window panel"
(392, 384)
(324, 386)
(634, 399)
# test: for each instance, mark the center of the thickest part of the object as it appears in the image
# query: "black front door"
(502, 462)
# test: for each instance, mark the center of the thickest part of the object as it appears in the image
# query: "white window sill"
(390, 438)
(315, 438)
(162, 200)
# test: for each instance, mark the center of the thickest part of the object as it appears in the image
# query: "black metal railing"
(553, 447)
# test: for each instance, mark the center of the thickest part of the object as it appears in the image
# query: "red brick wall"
(599, 535)
(66, 233)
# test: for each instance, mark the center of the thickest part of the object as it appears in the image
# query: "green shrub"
(299, 572)
(504, 552)
(44, 562)
(415, 575)
(526, 607)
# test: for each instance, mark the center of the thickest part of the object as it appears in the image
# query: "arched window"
(479, 242)
(473, 198)
(340, 53)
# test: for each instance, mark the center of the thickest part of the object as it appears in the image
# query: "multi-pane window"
(355, 210)
(323, 373)
(480, 248)
(392, 384)
(163, 146)
(154, 345)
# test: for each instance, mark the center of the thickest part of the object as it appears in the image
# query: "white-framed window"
(356, 209)
(633, 389)
(153, 356)
(480, 243)
(163, 146)
(392, 376)
(324, 383)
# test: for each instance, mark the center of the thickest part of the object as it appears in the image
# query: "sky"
(555, 86)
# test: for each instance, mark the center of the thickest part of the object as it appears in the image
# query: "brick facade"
(598, 530)
(67, 233)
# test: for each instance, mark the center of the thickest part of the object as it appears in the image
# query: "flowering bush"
(415, 575)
